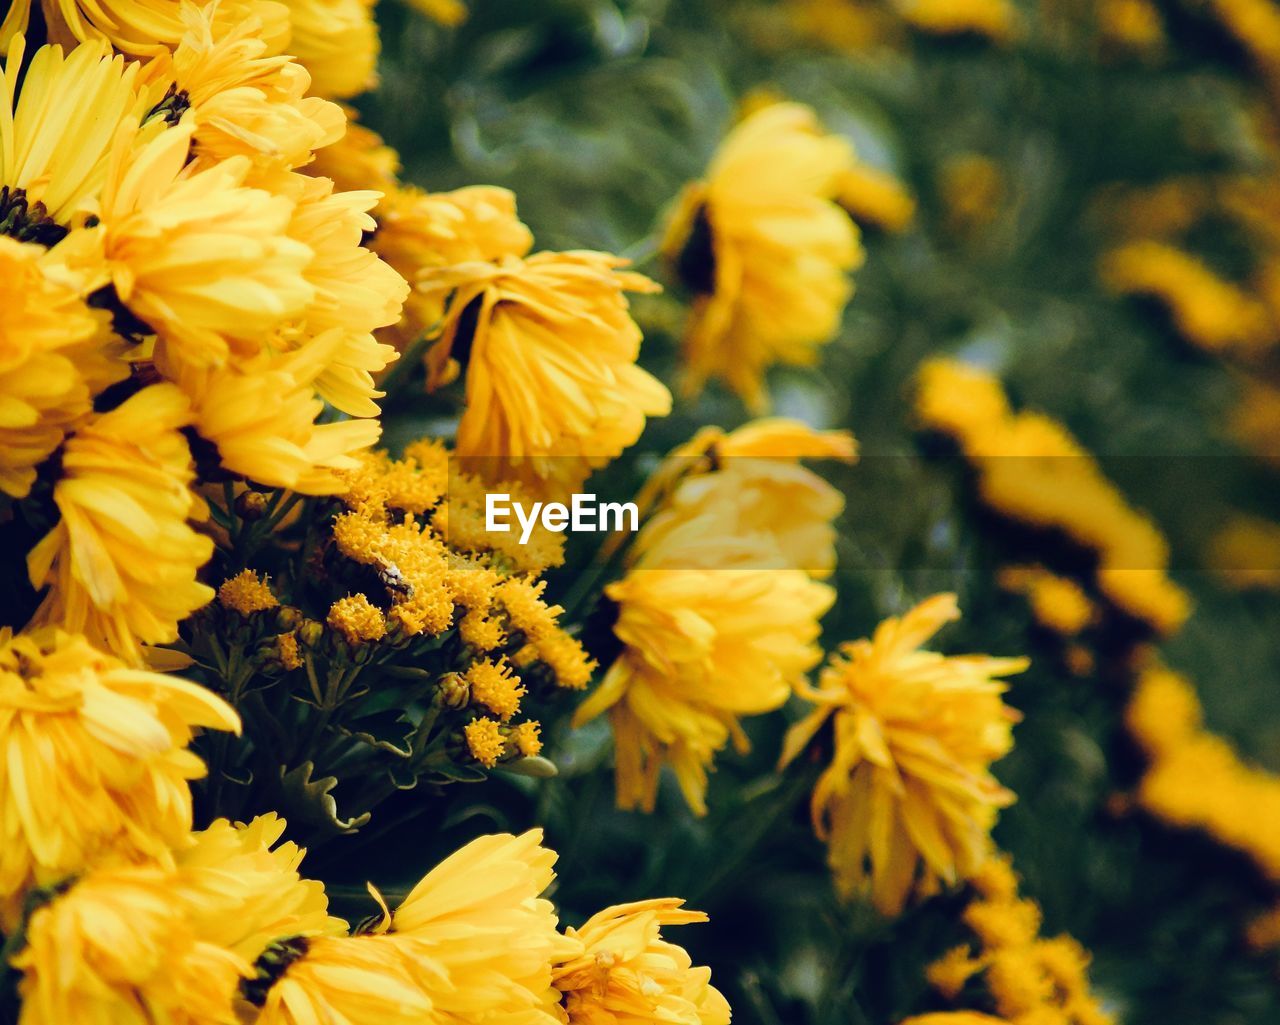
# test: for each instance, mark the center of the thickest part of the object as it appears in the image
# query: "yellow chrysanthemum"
(121, 563)
(262, 418)
(356, 292)
(553, 390)
(96, 761)
(627, 974)
(954, 1018)
(201, 259)
(908, 792)
(765, 247)
(753, 475)
(343, 980)
(119, 947)
(479, 937)
(243, 891)
(245, 99)
(139, 27)
(47, 349)
(337, 41)
(57, 130)
(419, 231)
(712, 629)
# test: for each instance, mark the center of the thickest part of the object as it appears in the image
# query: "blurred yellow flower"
(337, 41)
(766, 250)
(120, 565)
(479, 938)
(875, 198)
(996, 20)
(118, 948)
(1245, 553)
(714, 627)
(553, 389)
(96, 763)
(48, 347)
(627, 974)
(908, 799)
(1207, 310)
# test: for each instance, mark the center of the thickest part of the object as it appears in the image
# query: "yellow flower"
(356, 292)
(139, 27)
(485, 741)
(496, 687)
(1056, 602)
(337, 41)
(765, 248)
(121, 563)
(47, 349)
(713, 628)
(243, 891)
(352, 980)
(909, 789)
(420, 231)
(246, 100)
(553, 390)
(953, 1018)
(96, 762)
(1245, 553)
(875, 198)
(996, 20)
(527, 740)
(119, 948)
(479, 937)
(446, 12)
(58, 130)
(971, 187)
(359, 160)
(262, 415)
(754, 477)
(246, 593)
(627, 974)
(200, 258)
(1208, 311)
(357, 619)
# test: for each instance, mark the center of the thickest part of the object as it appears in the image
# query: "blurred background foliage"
(595, 113)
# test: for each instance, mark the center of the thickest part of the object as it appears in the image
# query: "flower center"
(271, 964)
(27, 222)
(696, 263)
(176, 102)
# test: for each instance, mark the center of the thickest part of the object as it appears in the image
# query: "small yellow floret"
(526, 738)
(496, 687)
(246, 593)
(357, 618)
(485, 741)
